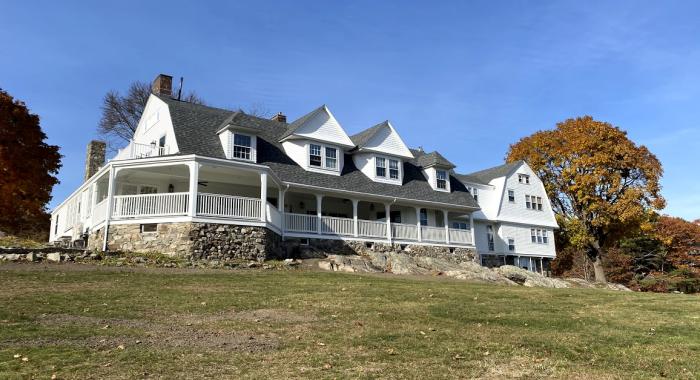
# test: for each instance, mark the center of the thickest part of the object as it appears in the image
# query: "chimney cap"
(280, 117)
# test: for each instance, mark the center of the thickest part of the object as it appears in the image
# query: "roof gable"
(431, 159)
(319, 124)
(382, 138)
(487, 175)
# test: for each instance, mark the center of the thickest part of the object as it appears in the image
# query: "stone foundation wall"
(199, 241)
(318, 248)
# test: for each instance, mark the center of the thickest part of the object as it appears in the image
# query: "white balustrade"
(336, 226)
(99, 213)
(301, 223)
(138, 150)
(228, 206)
(370, 228)
(460, 236)
(162, 204)
(404, 231)
(433, 234)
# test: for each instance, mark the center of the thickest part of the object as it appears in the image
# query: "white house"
(206, 181)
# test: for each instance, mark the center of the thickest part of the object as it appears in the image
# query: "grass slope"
(88, 322)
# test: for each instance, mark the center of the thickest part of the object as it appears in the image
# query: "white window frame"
(423, 215)
(251, 155)
(387, 169)
(539, 236)
(511, 196)
(524, 178)
(511, 243)
(324, 157)
(490, 238)
(474, 192)
(377, 160)
(437, 180)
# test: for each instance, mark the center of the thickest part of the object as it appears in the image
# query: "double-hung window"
(489, 237)
(474, 192)
(459, 225)
(242, 146)
(511, 244)
(393, 169)
(539, 236)
(380, 163)
(533, 235)
(441, 179)
(511, 196)
(331, 158)
(528, 205)
(315, 155)
(539, 203)
(524, 178)
(423, 217)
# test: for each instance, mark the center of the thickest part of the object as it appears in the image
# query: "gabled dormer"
(317, 142)
(238, 142)
(380, 152)
(437, 169)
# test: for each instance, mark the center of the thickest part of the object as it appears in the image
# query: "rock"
(54, 256)
(291, 262)
(530, 279)
(95, 256)
(31, 257)
(12, 257)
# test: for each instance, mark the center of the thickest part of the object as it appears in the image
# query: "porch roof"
(195, 128)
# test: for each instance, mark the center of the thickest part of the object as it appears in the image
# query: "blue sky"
(465, 78)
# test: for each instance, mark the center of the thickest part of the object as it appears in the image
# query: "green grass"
(71, 320)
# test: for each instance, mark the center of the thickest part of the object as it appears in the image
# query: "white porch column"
(447, 227)
(387, 211)
(355, 231)
(418, 225)
(530, 268)
(471, 226)
(280, 208)
(319, 214)
(93, 202)
(263, 196)
(110, 206)
(194, 181)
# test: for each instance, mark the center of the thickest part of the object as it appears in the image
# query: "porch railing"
(337, 226)
(301, 223)
(138, 150)
(460, 236)
(370, 228)
(404, 231)
(273, 215)
(228, 206)
(433, 234)
(150, 205)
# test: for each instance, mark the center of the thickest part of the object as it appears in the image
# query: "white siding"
(431, 175)
(388, 141)
(366, 163)
(298, 150)
(523, 242)
(324, 127)
(517, 212)
(155, 123)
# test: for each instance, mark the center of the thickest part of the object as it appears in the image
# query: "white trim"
(352, 238)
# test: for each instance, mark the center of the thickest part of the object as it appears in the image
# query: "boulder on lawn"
(54, 257)
(530, 279)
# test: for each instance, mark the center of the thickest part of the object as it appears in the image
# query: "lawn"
(80, 321)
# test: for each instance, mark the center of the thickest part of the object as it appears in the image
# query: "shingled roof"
(485, 176)
(434, 158)
(361, 138)
(195, 128)
(291, 128)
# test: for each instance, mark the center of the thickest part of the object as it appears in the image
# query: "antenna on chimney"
(179, 92)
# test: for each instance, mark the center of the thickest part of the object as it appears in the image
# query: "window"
(533, 203)
(474, 192)
(331, 158)
(489, 237)
(539, 203)
(423, 217)
(161, 142)
(524, 178)
(315, 155)
(511, 244)
(511, 196)
(441, 179)
(393, 169)
(528, 205)
(242, 146)
(539, 236)
(151, 227)
(381, 166)
(459, 225)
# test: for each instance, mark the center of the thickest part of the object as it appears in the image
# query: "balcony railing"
(165, 204)
(371, 229)
(404, 231)
(433, 234)
(301, 223)
(460, 236)
(337, 226)
(138, 150)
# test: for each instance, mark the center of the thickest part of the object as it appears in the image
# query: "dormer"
(437, 169)
(380, 152)
(317, 142)
(238, 142)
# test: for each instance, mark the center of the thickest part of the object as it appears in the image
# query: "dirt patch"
(184, 334)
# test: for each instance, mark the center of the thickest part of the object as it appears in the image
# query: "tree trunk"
(598, 269)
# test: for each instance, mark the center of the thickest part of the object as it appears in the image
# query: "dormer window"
(441, 176)
(393, 169)
(242, 146)
(315, 155)
(323, 157)
(381, 166)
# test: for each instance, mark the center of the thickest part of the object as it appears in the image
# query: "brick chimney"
(95, 157)
(280, 117)
(162, 85)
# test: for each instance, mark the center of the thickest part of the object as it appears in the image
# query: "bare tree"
(121, 113)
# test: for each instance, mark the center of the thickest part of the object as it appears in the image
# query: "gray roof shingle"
(485, 176)
(195, 128)
(434, 158)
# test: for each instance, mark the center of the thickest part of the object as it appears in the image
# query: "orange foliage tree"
(597, 179)
(682, 241)
(27, 169)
